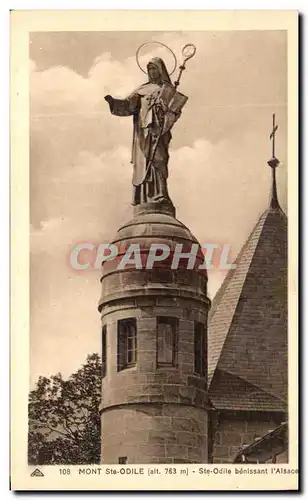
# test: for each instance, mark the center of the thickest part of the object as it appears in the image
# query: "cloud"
(230, 65)
(214, 188)
(61, 91)
(82, 201)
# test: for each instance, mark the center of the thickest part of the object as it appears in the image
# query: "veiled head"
(157, 71)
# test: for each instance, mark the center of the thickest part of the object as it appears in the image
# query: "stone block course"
(247, 438)
(139, 399)
(186, 358)
(172, 393)
(162, 436)
(201, 440)
(177, 450)
(231, 438)
(145, 356)
(238, 431)
(144, 302)
(221, 451)
(176, 377)
(152, 450)
(187, 438)
(158, 434)
(148, 344)
(197, 454)
(181, 424)
(179, 411)
(186, 367)
(186, 325)
(167, 302)
(197, 381)
(162, 423)
(161, 398)
(147, 366)
(147, 324)
(186, 395)
(200, 398)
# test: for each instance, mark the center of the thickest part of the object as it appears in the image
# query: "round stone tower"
(154, 346)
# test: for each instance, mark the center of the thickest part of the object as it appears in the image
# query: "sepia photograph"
(159, 254)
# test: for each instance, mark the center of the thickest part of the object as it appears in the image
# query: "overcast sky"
(81, 171)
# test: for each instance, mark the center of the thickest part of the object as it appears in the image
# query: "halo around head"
(144, 70)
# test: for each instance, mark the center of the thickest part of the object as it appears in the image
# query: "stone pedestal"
(152, 413)
(163, 207)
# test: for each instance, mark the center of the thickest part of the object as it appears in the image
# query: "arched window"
(104, 351)
(166, 341)
(127, 343)
(200, 350)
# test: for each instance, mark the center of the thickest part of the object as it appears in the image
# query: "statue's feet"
(163, 205)
(160, 199)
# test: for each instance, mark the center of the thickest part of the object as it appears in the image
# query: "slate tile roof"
(235, 394)
(248, 321)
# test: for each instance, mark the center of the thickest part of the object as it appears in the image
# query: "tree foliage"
(64, 421)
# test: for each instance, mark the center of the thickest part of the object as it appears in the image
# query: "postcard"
(154, 244)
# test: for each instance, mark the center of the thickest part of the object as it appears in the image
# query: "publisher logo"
(37, 473)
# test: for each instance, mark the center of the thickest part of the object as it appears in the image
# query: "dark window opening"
(200, 350)
(122, 460)
(211, 438)
(166, 341)
(104, 351)
(127, 343)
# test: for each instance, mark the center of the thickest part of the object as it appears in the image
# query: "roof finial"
(273, 163)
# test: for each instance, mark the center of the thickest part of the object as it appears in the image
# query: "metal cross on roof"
(272, 136)
(273, 162)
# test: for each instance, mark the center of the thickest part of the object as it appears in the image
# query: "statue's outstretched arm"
(123, 107)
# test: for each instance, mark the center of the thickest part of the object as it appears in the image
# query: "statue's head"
(153, 72)
(157, 71)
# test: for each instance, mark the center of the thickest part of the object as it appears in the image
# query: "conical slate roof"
(248, 323)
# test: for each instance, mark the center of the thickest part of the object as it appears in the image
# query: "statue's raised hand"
(110, 100)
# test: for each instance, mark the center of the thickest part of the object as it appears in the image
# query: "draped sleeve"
(125, 107)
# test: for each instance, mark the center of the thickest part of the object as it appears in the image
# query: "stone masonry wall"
(145, 382)
(152, 413)
(154, 434)
(235, 430)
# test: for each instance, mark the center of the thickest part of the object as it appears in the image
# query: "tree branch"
(56, 430)
(67, 428)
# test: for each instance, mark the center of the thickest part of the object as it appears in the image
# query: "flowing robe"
(150, 148)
